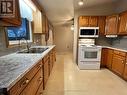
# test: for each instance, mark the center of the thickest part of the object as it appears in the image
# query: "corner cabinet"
(122, 23)
(14, 21)
(109, 58)
(111, 25)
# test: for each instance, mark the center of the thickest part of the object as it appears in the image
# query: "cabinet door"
(104, 57)
(125, 72)
(83, 21)
(101, 24)
(46, 72)
(118, 64)
(33, 86)
(14, 21)
(111, 25)
(123, 23)
(43, 23)
(109, 58)
(37, 21)
(93, 21)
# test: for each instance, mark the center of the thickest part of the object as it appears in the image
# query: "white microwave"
(89, 32)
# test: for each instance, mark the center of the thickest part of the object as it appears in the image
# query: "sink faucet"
(27, 44)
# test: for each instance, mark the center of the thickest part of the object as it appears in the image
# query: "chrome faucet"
(27, 44)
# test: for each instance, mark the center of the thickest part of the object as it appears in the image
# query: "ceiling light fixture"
(72, 27)
(81, 2)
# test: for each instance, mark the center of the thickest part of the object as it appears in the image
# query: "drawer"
(34, 84)
(120, 53)
(23, 82)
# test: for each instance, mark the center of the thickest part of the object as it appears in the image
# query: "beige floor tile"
(67, 79)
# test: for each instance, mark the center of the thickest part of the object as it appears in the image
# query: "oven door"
(90, 54)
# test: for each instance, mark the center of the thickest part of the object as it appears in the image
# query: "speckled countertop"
(116, 48)
(14, 66)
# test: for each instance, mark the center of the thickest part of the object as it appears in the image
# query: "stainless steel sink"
(34, 50)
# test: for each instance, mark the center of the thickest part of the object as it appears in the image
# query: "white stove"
(89, 55)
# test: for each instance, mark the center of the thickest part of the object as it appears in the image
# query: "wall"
(106, 9)
(63, 38)
(120, 41)
(121, 6)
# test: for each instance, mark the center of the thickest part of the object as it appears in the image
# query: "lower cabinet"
(34, 82)
(104, 57)
(125, 72)
(40, 90)
(109, 58)
(46, 69)
(32, 87)
(118, 64)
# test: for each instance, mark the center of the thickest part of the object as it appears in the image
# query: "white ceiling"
(62, 11)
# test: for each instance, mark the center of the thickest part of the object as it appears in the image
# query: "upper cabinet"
(88, 21)
(93, 21)
(101, 24)
(15, 20)
(122, 23)
(37, 21)
(111, 25)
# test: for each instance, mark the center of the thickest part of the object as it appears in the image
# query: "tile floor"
(67, 79)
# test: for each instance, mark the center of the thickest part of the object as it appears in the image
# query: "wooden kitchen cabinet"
(122, 30)
(111, 25)
(26, 80)
(46, 70)
(118, 63)
(88, 21)
(32, 87)
(93, 21)
(37, 21)
(104, 57)
(12, 21)
(101, 25)
(125, 72)
(109, 58)
(83, 21)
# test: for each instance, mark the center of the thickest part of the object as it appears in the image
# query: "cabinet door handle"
(126, 63)
(122, 61)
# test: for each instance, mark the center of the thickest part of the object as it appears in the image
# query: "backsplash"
(120, 42)
(103, 41)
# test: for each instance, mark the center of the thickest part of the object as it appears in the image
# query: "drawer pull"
(122, 61)
(24, 83)
(40, 65)
(126, 63)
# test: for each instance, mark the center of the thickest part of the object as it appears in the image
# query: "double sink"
(34, 50)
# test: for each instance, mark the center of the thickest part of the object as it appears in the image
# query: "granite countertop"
(14, 66)
(116, 48)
